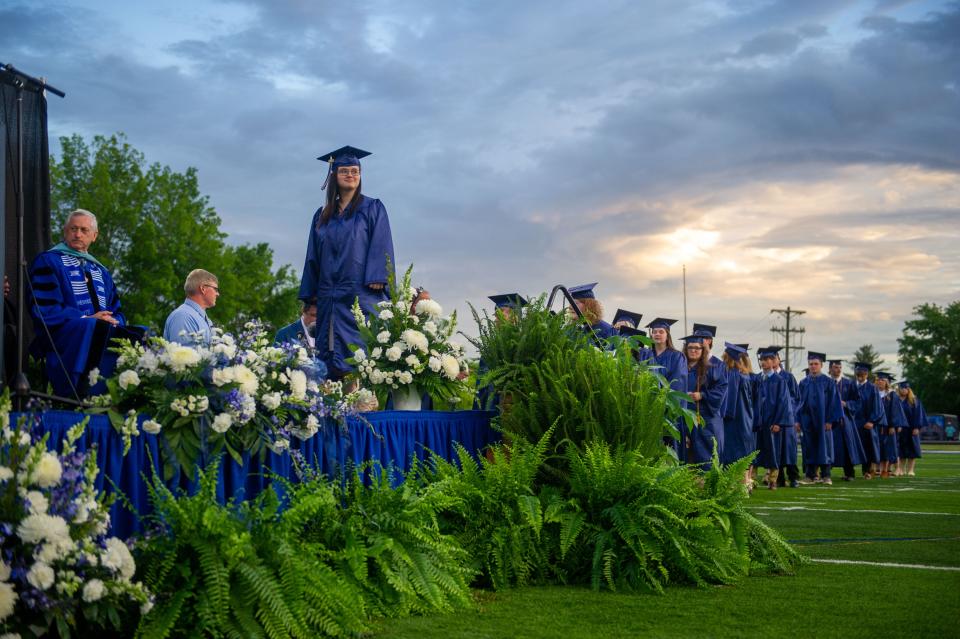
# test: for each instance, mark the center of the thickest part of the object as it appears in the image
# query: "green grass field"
(913, 521)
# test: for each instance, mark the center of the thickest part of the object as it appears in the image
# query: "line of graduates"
(833, 420)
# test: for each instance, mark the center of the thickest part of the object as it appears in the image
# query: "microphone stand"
(22, 81)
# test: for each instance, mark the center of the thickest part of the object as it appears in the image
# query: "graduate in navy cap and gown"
(706, 387)
(916, 422)
(789, 440)
(896, 422)
(708, 333)
(347, 251)
(870, 418)
(738, 407)
(626, 324)
(847, 447)
(75, 299)
(773, 417)
(666, 360)
(505, 306)
(819, 409)
(592, 310)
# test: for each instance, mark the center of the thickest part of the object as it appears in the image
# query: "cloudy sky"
(788, 153)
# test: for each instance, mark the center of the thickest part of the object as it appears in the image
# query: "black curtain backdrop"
(36, 187)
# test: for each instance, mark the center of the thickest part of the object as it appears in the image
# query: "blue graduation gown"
(819, 405)
(738, 437)
(847, 447)
(710, 408)
(673, 366)
(916, 418)
(870, 409)
(344, 256)
(774, 407)
(61, 299)
(604, 330)
(896, 420)
(788, 442)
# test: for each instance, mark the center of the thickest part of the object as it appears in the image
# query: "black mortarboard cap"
(835, 361)
(903, 384)
(626, 331)
(734, 350)
(514, 300)
(862, 366)
(583, 291)
(693, 339)
(768, 351)
(886, 376)
(629, 316)
(745, 347)
(815, 355)
(704, 330)
(344, 156)
(662, 322)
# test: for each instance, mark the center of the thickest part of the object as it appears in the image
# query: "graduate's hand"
(868, 426)
(797, 428)
(828, 426)
(105, 316)
(916, 431)
(775, 428)
(695, 396)
(376, 286)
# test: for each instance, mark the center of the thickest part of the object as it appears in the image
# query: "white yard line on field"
(884, 564)
(861, 510)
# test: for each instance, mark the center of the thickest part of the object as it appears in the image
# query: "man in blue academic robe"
(76, 311)
(301, 332)
(870, 417)
(773, 416)
(789, 440)
(847, 448)
(347, 252)
(819, 409)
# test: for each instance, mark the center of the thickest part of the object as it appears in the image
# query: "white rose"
(405, 377)
(359, 355)
(394, 353)
(376, 377)
(93, 376)
(129, 379)
(272, 401)
(383, 337)
(151, 426)
(434, 364)
(38, 502)
(451, 367)
(93, 590)
(222, 422)
(48, 471)
(386, 314)
(376, 352)
(40, 576)
(412, 360)
(8, 601)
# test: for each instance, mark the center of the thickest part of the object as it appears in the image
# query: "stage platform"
(391, 438)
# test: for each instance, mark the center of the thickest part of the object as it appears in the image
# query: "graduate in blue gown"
(706, 387)
(773, 416)
(738, 405)
(819, 409)
(75, 299)
(896, 422)
(708, 332)
(869, 417)
(347, 252)
(592, 310)
(916, 422)
(790, 436)
(847, 447)
(665, 359)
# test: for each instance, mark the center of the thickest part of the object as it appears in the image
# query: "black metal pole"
(21, 386)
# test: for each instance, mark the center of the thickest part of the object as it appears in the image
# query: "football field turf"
(885, 562)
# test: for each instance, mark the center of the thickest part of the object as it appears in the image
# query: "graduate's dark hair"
(333, 197)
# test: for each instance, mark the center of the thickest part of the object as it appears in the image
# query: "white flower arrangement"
(54, 531)
(402, 348)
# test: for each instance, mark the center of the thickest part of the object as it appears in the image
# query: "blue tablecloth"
(391, 438)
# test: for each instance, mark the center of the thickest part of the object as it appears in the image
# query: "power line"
(786, 331)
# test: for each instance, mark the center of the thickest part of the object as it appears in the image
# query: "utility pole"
(685, 300)
(787, 331)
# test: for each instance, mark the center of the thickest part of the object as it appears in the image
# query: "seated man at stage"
(76, 310)
(188, 324)
(301, 332)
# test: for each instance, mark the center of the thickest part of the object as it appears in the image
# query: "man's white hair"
(197, 278)
(79, 212)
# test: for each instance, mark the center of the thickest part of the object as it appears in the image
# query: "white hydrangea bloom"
(394, 353)
(41, 576)
(93, 590)
(383, 337)
(376, 376)
(359, 355)
(376, 352)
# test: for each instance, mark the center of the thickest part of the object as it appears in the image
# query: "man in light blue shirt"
(188, 324)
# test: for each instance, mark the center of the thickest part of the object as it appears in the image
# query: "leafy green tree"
(868, 355)
(930, 356)
(155, 227)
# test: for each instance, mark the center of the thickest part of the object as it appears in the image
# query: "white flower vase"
(407, 397)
